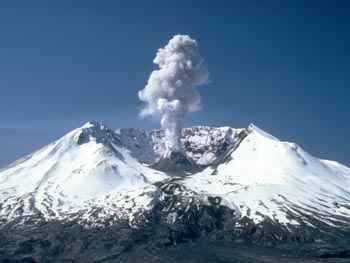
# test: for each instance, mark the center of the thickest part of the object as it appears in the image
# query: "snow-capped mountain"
(94, 175)
(89, 167)
(267, 178)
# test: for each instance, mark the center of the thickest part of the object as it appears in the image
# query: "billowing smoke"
(171, 90)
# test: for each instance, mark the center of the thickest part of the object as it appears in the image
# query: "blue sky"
(283, 65)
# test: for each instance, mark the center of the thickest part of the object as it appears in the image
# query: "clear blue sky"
(283, 65)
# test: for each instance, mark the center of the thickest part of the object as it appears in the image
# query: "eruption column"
(171, 90)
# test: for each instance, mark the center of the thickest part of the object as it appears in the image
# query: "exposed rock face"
(201, 144)
(176, 164)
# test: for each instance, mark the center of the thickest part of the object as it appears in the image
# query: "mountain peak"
(93, 124)
(94, 130)
(253, 128)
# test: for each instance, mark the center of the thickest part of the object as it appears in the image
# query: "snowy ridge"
(269, 178)
(94, 173)
(66, 176)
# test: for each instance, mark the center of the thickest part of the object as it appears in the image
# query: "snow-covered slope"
(86, 167)
(266, 177)
(94, 173)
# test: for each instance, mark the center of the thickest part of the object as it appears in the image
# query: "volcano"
(243, 183)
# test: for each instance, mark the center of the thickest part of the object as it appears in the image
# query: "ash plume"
(171, 91)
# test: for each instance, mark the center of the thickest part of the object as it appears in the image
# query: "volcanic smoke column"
(171, 90)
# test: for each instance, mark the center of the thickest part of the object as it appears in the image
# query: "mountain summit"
(94, 175)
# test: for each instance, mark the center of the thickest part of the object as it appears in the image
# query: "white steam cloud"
(171, 90)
